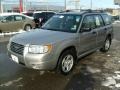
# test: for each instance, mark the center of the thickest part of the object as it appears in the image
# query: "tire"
(0, 31)
(27, 27)
(67, 61)
(107, 45)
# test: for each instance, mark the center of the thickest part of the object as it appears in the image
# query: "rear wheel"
(27, 27)
(107, 45)
(67, 61)
(0, 31)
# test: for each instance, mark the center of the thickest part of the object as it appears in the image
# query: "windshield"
(63, 22)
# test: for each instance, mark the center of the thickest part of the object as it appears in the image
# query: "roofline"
(42, 11)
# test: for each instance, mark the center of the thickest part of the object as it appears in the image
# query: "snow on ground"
(10, 82)
(117, 21)
(11, 33)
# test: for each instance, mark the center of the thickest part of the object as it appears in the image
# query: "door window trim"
(84, 19)
(18, 20)
(99, 20)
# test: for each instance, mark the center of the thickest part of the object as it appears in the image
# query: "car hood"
(41, 37)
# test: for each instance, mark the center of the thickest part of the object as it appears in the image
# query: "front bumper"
(36, 61)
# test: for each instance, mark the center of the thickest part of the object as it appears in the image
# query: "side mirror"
(85, 29)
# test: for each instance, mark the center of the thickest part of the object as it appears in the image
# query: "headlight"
(36, 49)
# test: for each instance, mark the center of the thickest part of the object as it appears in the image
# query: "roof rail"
(67, 11)
(93, 11)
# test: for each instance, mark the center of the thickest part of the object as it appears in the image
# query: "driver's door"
(88, 34)
(7, 24)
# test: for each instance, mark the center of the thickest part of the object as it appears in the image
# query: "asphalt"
(97, 71)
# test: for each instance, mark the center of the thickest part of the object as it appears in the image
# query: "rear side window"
(18, 18)
(107, 19)
(88, 22)
(98, 21)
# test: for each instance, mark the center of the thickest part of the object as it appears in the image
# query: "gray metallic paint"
(84, 42)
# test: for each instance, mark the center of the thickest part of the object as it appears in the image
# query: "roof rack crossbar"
(93, 11)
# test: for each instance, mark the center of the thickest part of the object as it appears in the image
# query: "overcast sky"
(83, 3)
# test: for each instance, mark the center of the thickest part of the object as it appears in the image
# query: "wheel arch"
(26, 25)
(109, 36)
(65, 49)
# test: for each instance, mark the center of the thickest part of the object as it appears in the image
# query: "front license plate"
(14, 58)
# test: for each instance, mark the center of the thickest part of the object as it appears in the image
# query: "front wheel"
(67, 60)
(107, 45)
(27, 27)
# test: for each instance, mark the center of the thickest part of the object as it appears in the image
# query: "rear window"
(28, 14)
(107, 19)
(38, 15)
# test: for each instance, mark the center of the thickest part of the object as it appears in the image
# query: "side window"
(23, 18)
(88, 23)
(98, 21)
(107, 19)
(70, 23)
(9, 18)
(18, 18)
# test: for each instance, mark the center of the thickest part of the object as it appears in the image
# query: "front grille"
(17, 48)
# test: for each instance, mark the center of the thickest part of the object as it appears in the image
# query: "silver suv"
(62, 40)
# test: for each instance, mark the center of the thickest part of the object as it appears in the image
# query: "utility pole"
(47, 5)
(91, 4)
(24, 5)
(21, 5)
(1, 7)
(65, 4)
(76, 4)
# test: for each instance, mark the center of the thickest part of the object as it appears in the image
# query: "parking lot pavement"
(97, 71)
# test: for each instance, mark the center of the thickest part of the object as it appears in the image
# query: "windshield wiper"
(49, 29)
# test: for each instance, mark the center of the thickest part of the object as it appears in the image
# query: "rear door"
(108, 22)
(88, 34)
(19, 22)
(101, 29)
